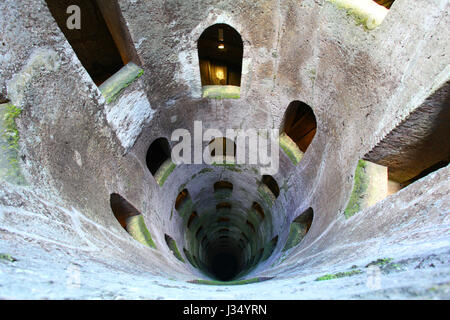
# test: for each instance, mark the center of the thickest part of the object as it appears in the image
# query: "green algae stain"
(174, 248)
(221, 92)
(339, 275)
(291, 149)
(360, 186)
(230, 283)
(380, 262)
(267, 195)
(7, 257)
(112, 87)
(164, 172)
(190, 259)
(297, 232)
(138, 230)
(9, 143)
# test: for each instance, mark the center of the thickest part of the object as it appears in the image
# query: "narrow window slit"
(192, 217)
(259, 210)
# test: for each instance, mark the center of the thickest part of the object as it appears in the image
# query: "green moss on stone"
(387, 265)
(9, 159)
(291, 149)
(339, 275)
(190, 259)
(203, 171)
(365, 12)
(112, 87)
(380, 262)
(174, 248)
(228, 166)
(267, 195)
(7, 257)
(164, 172)
(297, 231)
(138, 230)
(359, 188)
(221, 92)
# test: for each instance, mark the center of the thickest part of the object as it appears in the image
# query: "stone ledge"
(366, 12)
(164, 172)
(138, 230)
(291, 149)
(111, 88)
(221, 92)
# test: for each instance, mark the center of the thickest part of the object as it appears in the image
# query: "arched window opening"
(192, 217)
(222, 147)
(300, 124)
(259, 255)
(259, 210)
(220, 52)
(272, 184)
(222, 190)
(306, 218)
(190, 258)
(223, 185)
(173, 247)
(100, 40)
(122, 209)
(269, 248)
(184, 205)
(181, 198)
(157, 154)
(250, 225)
(130, 219)
(223, 219)
(199, 230)
(223, 205)
(385, 3)
(299, 228)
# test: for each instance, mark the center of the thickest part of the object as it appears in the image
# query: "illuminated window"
(102, 43)
(220, 51)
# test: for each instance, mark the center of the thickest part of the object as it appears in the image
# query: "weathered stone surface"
(111, 88)
(75, 149)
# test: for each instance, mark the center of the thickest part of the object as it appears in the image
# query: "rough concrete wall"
(359, 83)
(383, 252)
